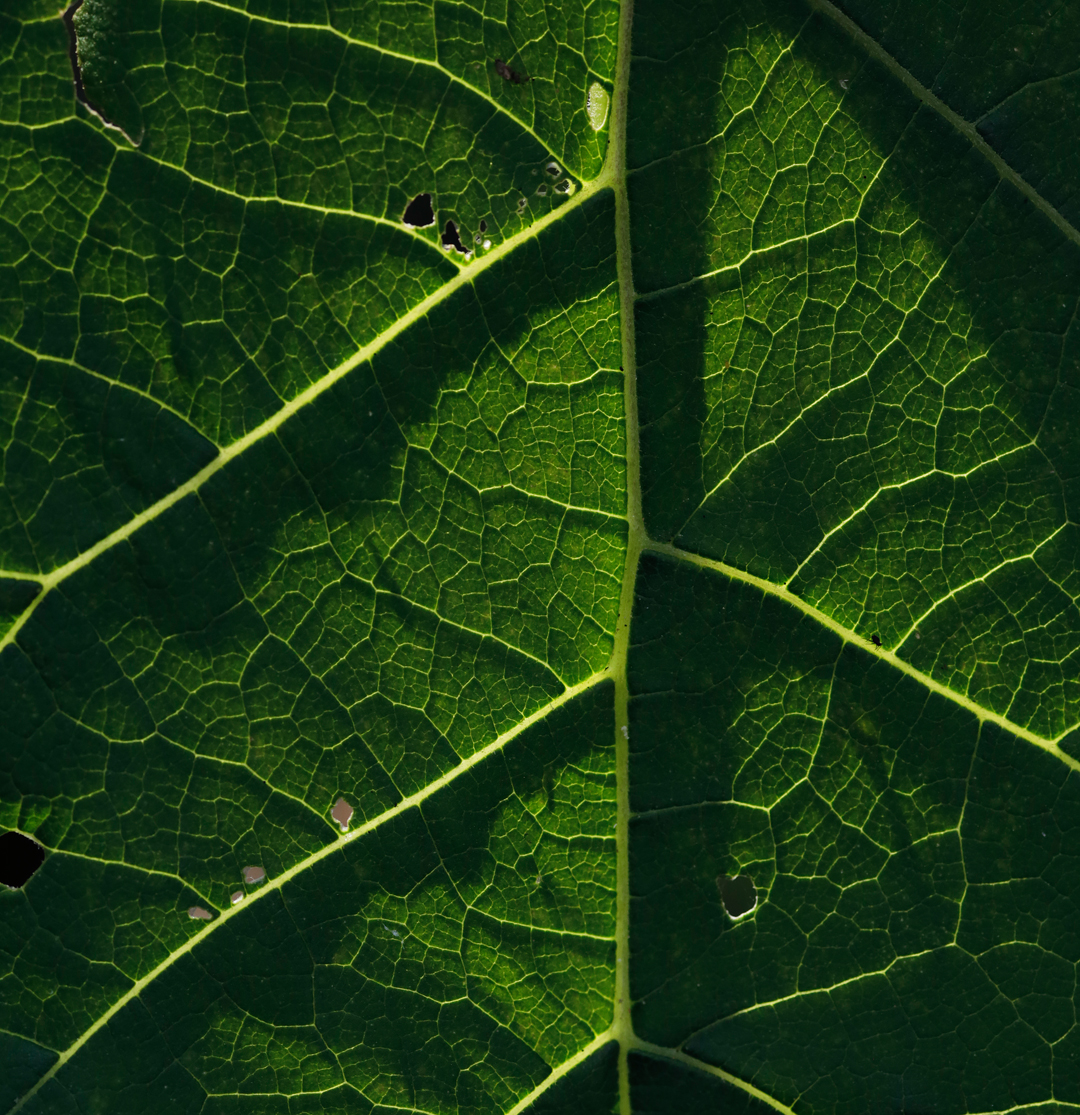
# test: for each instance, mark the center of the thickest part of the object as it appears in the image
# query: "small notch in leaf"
(452, 239)
(419, 213)
(507, 74)
(738, 894)
(342, 813)
(20, 857)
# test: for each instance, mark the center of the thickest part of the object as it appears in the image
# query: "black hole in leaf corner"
(738, 894)
(418, 213)
(450, 237)
(20, 857)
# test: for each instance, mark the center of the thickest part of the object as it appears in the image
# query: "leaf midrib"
(612, 176)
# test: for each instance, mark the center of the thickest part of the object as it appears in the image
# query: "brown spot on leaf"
(236, 896)
(253, 875)
(507, 74)
(342, 813)
(199, 914)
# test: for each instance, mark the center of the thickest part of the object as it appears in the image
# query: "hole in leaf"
(738, 894)
(418, 213)
(507, 74)
(236, 897)
(342, 814)
(199, 914)
(483, 226)
(522, 202)
(564, 187)
(253, 875)
(553, 169)
(451, 239)
(20, 857)
(541, 190)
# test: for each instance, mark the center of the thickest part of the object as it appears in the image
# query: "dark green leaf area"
(437, 963)
(220, 309)
(15, 597)
(352, 607)
(865, 392)
(591, 1088)
(306, 113)
(35, 74)
(81, 458)
(663, 1087)
(23, 1064)
(914, 934)
(1010, 70)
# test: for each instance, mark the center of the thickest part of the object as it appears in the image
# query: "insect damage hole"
(419, 213)
(452, 239)
(342, 813)
(20, 857)
(738, 895)
(254, 875)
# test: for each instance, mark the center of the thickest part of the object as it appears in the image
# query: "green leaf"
(614, 647)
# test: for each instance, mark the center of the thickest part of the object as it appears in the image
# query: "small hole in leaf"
(198, 913)
(553, 169)
(451, 239)
(522, 202)
(541, 190)
(236, 897)
(253, 875)
(342, 813)
(20, 857)
(483, 226)
(564, 187)
(418, 213)
(738, 894)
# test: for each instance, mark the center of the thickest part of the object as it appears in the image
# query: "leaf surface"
(612, 647)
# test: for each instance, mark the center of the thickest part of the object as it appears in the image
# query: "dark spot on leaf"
(342, 814)
(451, 239)
(737, 893)
(199, 914)
(507, 74)
(20, 857)
(483, 226)
(875, 640)
(418, 213)
(564, 187)
(542, 190)
(553, 169)
(253, 875)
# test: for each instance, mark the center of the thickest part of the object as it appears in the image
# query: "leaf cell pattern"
(407, 633)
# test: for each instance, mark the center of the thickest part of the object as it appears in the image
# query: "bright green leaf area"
(694, 499)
